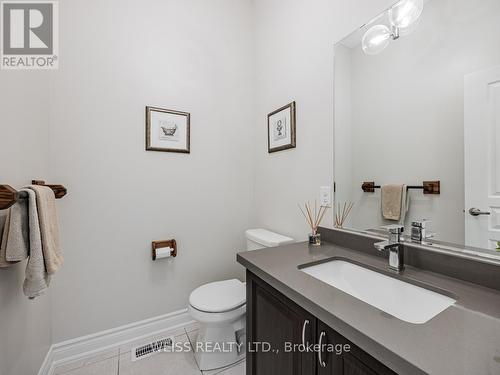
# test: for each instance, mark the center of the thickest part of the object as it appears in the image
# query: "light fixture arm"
(395, 32)
(401, 16)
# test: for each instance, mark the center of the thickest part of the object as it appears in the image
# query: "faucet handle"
(420, 223)
(394, 228)
(419, 230)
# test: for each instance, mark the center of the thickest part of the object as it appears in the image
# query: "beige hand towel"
(393, 199)
(18, 241)
(4, 234)
(49, 227)
(37, 279)
(3, 219)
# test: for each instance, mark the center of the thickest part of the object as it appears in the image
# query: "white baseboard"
(47, 368)
(84, 346)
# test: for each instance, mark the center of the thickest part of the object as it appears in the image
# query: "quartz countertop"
(463, 339)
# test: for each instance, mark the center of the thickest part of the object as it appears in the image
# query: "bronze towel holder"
(429, 187)
(9, 195)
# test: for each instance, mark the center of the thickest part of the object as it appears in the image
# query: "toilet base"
(219, 343)
(218, 347)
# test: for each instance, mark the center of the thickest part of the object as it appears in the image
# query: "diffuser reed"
(313, 218)
(342, 213)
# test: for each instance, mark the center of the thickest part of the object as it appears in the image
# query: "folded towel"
(393, 198)
(18, 241)
(3, 219)
(37, 279)
(4, 225)
(49, 227)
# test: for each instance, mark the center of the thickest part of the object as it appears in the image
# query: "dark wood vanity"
(273, 318)
(287, 305)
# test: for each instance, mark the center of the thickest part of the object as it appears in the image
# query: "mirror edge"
(465, 252)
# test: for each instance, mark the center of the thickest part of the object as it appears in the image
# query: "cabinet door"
(335, 359)
(274, 319)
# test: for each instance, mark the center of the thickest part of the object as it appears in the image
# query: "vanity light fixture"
(405, 13)
(376, 39)
(403, 18)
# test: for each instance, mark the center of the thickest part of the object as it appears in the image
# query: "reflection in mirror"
(417, 98)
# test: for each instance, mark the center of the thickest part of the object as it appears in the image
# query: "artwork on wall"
(281, 128)
(167, 130)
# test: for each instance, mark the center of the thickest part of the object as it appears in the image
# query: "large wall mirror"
(417, 100)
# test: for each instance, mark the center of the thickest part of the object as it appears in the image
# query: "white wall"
(342, 136)
(25, 326)
(116, 58)
(295, 40)
(407, 112)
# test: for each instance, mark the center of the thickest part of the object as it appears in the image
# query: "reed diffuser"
(313, 218)
(342, 213)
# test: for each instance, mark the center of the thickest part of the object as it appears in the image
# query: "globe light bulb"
(376, 39)
(402, 31)
(405, 13)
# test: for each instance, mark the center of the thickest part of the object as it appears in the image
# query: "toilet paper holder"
(155, 245)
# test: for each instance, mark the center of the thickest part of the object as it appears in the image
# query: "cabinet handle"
(321, 362)
(306, 323)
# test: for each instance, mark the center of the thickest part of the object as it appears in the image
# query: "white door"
(482, 158)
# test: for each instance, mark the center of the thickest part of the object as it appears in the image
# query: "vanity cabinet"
(275, 320)
(275, 323)
(352, 362)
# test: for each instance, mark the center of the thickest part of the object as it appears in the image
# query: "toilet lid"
(219, 296)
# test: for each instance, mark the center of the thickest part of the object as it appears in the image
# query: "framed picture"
(167, 130)
(281, 128)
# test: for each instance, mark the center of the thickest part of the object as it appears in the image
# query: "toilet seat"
(219, 296)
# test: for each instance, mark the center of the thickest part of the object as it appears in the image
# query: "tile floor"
(118, 361)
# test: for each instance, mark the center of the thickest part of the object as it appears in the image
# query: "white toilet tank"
(261, 238)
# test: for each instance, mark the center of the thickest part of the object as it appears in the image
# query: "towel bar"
(9, 195)
(429, 187)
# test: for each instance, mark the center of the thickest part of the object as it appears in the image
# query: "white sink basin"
(405, 301)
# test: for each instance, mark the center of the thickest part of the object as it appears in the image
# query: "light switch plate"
(325, 196)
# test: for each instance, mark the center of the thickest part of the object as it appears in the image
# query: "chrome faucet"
(395, 247)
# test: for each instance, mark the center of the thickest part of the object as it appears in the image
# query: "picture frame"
(281, 128)
(168, 130)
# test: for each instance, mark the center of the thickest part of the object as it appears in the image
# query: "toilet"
(220, 307)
